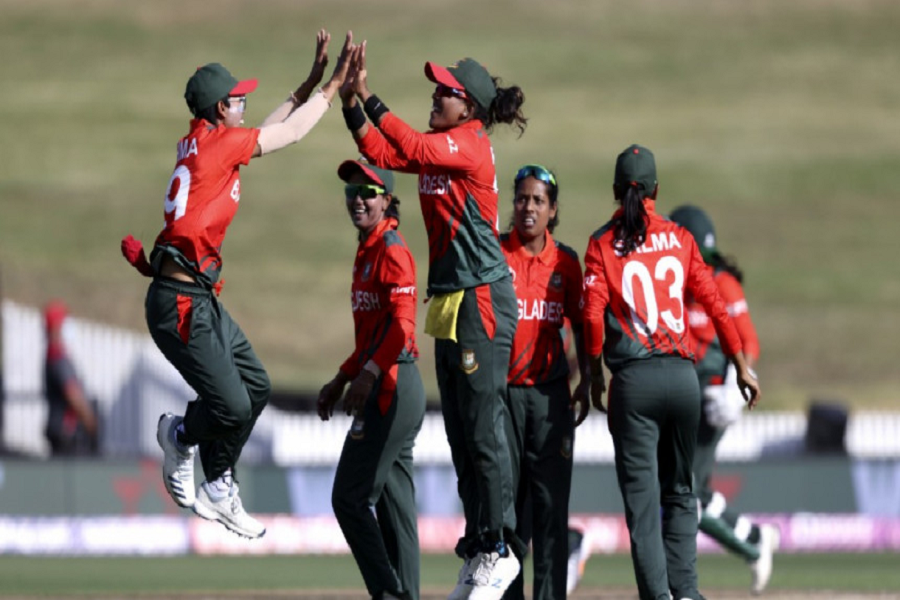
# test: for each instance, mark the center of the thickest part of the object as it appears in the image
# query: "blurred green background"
(780, 118)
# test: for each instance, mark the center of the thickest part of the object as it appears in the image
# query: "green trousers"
(374, 498)
(729, 528)
(471, 377)
(197, 335)
(544, 430)
(654, 409)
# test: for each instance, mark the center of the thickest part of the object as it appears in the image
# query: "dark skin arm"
(581, 395)
(598, 382)
(330, 393)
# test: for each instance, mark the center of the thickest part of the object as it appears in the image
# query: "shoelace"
(486, 564)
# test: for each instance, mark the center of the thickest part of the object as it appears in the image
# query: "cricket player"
(186, 320)
(637, 269)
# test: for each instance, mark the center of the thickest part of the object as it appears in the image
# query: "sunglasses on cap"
(237, 104)
(365, 191)
(445, 91)
(538, 172)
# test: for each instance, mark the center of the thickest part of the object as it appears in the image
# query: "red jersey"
(634, 304)
(458, 195)
(203, 195)
(383, 299)
(711, 362)
(548, 291)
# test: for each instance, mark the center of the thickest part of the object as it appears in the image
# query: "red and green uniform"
(548, 292)
(458, 196)
(731, 529)
(187, 322)
(634, 314)
(375, 471)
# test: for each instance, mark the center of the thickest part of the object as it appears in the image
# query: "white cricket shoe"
(463, 582)
(178, 465)
(492, 574)
(578, 556)
(769, 542)
(226, 508)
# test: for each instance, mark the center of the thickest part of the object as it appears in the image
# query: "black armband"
(354, 117)
(375, 109)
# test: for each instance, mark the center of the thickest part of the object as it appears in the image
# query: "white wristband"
(372, 368)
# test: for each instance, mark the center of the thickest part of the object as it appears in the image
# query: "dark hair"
(721, 262)
(552, 193)
(631, 226)
(211, 113)
(505, 108)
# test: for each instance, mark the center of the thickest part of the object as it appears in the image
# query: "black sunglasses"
(363, 190)
(538, 172)
(445, 91)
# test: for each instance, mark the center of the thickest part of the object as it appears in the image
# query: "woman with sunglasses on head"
(548, 282)
(186, 320)
(722, 402)
(472, 310)
(638, 268)
(386, 397)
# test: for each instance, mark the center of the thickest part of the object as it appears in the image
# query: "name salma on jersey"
(658, 242)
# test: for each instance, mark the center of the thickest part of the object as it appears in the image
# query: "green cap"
(700, 226)
(381, 177)
(466, 74)
(212, 82)
(636, 166)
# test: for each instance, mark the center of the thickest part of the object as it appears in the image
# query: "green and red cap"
(381, 177)
(212, 82)
(468, 75)
(635, 166)
(700, 226)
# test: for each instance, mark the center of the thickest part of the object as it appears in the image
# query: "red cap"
(244, 87)
(439, 74)
(54, 314)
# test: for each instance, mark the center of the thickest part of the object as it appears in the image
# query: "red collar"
(375, 235)
(545, 256)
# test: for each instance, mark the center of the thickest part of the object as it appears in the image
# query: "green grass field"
(779, 117)
(606, 576)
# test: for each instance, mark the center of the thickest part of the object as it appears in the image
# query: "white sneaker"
(769, 542)
(492, 574)
(463, 582)
(178, 466)
(226, 508)
(578, 556)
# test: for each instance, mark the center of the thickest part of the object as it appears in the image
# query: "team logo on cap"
(468, 364)
(709, 241)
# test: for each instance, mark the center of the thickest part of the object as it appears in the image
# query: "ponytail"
(505, 108)
(727, 264)
(631, 226)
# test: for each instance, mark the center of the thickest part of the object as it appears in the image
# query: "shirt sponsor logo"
(540, 310)
(697, 318)
(454, 148)
(737, 309)
(408, 290)
(556, 281)
(434, 184)
(364, 301)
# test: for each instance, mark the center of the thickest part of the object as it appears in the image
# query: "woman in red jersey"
(185, 318)
(722, 402)
(386, 396)
(637, 269)
(548, 281)
(472, 310)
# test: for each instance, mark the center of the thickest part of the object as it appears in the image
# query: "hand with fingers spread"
(330, 393)
(317, 72)
(359, 391)
(341, 69)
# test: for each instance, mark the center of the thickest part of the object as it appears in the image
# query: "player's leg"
(549, 453)
(485, 329)
(371, 450)
(516, 435)
(636, 401)
(396, 508)
(676, 458)
(447, 364)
